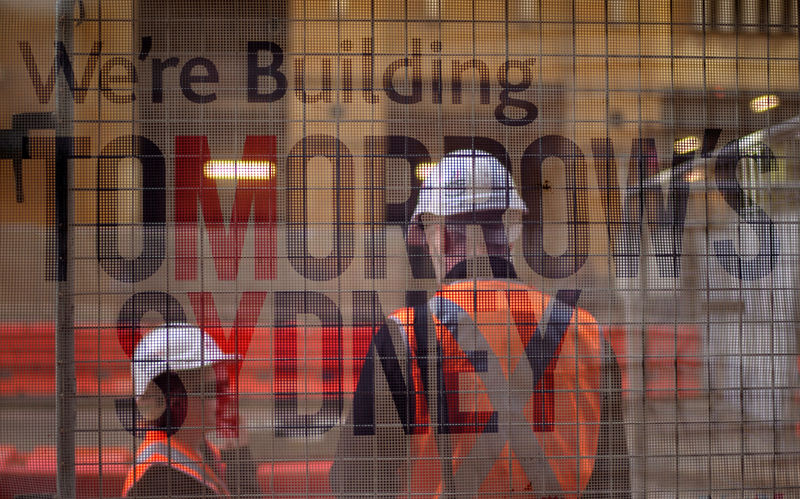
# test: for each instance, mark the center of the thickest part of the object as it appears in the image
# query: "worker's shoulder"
(568, 302)
(518, 295)
(160, 479)
(403, 316)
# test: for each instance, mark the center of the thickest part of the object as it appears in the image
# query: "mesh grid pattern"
(252, 168)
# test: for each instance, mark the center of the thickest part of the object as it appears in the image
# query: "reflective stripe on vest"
(157, 448)
(512, 424)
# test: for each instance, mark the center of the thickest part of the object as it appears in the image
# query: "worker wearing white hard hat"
(467, 181)
(177, 374)
(454, 398)
(169, 348)
(467, 187)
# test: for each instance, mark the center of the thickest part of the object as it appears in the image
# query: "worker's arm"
(161, 480)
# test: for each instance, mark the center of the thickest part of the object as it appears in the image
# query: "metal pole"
(65, 345)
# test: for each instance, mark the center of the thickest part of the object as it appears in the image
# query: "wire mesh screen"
(414, 248)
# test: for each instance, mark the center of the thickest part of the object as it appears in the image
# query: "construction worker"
(178, 370)
(491, 388)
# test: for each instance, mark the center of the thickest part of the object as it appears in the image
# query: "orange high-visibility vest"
(518, 405)
(158, 449)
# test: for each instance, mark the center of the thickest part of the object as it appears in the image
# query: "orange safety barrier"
(8, 453)
(295, 479)
(99, 472)
(672, 360)
(101, 365)
(27, 361)
(255, 376)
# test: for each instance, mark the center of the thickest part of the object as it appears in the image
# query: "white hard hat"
(465, 181)
(175, 347)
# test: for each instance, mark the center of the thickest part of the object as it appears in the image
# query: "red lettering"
(232, 340)
(672, 360)
(258, 196)
(237, 338)
(322, 373)
(361, 339)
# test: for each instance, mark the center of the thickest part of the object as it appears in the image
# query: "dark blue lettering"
(337, 154)
(158, 77)
(288, 304)
(531, 111)
(565, 265)
(154, 216)
(749, 212)
(415, 63)
(187, 79)
(254, 72)
(379, 150)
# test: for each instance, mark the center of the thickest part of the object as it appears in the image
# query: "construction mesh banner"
(428, 248)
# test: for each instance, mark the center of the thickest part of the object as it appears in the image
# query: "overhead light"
(227, 169)
(687, 144)
(339, 7)
(423, 169)
(432, 9)
(764, 103)
(695, 175)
